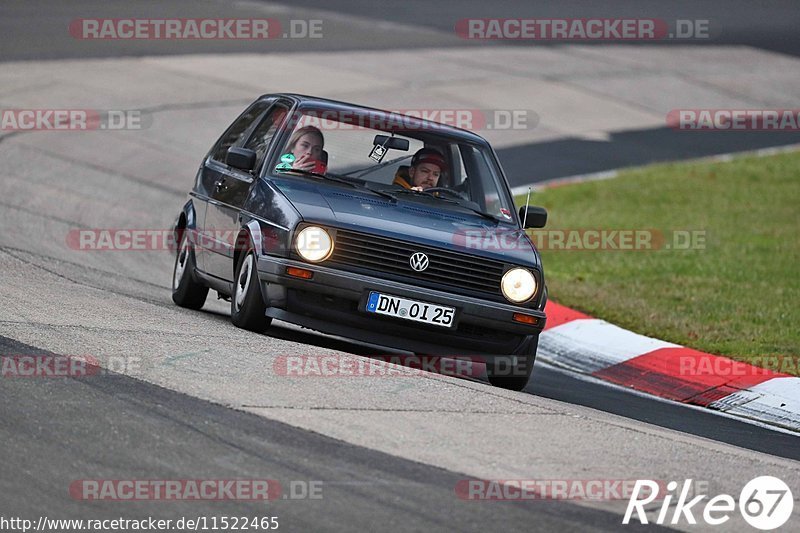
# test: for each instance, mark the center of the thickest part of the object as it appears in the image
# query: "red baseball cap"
(429, 155)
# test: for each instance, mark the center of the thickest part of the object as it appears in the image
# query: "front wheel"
(247, 304)
(513, 376)
(186, 292)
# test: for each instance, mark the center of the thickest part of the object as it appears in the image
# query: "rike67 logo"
(765, 503)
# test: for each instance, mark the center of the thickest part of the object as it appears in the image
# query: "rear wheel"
(186, 292)
(247, 303)
(505, 373)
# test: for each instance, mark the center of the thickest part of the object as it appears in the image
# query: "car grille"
(391, 256)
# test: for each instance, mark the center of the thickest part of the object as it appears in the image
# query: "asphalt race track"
(136, 428)
(188, 396)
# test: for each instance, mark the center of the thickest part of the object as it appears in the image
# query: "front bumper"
(333, 302)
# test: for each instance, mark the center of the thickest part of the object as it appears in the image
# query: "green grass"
(739, 297)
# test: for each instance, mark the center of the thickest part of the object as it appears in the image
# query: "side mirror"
(241, 158)
(394, 143)
(537, 216)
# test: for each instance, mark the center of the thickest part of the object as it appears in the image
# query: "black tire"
(186, 292)
(247, 303)
(503, 374)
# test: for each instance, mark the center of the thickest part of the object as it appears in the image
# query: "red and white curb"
(594, 347)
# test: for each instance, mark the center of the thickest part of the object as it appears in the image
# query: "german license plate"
(386, 304)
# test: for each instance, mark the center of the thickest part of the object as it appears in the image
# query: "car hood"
(408, 220)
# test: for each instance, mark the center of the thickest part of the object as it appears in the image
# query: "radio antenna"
(527, 201)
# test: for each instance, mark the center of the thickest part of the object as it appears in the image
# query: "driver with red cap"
(426, 167)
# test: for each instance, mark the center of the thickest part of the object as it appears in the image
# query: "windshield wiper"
(420, 193)
(475, 210)
(340, 180)
(463, 204)
(315, 174)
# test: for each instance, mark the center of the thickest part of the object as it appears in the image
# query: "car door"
(230, 190)
(212, 171)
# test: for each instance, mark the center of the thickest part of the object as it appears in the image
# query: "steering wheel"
(451, 192)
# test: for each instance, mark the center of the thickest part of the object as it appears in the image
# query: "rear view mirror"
(537, 216)
(241, 158)
(393, 143)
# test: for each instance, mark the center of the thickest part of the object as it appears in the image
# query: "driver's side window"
(238, 130)
(262, 136)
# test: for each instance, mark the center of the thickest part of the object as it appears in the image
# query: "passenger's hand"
(304, 162)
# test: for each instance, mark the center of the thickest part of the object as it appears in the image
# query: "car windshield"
(396, 157)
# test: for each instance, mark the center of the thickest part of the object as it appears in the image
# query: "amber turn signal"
(525, 319)
(299, 272)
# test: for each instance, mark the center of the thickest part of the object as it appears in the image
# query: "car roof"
(336, 105)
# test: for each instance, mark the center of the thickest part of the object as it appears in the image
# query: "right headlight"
(314, 244)
(518, 285)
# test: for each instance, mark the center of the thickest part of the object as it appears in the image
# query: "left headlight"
(518, 285)
(314, 244)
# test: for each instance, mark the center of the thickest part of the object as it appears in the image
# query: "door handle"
(219, 185)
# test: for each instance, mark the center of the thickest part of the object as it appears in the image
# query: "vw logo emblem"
(419, 261)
